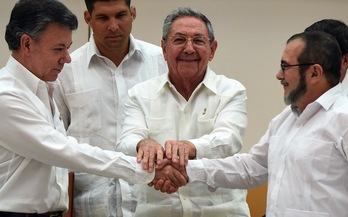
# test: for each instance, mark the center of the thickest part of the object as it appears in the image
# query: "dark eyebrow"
(284, 62)
(107, 15)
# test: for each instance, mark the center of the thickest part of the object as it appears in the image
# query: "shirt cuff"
(142, 176)
(195, 171)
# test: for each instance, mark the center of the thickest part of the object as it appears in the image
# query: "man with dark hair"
(34, 149)
(339, 30)
(92, 94)
(303, 154)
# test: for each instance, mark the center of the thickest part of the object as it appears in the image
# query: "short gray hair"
(185, 12)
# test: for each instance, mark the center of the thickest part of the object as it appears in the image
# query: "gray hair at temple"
(32, 17)
(185, 12)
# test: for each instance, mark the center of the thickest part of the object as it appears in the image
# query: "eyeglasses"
(181, 40)
(283, 66)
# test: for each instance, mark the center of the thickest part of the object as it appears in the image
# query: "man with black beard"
(303, 154)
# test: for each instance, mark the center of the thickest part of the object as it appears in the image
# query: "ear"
(25, 43)
(344, 66)
(345, 61)
(133, 11)
(316, 73)
(164, 49)
(87, 16)
(213, 48)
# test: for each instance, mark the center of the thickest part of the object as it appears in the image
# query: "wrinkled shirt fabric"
(91, 99)
(302, 156)
(32, 140)
(213, 119)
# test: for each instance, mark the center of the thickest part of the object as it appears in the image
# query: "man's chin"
(287, 99)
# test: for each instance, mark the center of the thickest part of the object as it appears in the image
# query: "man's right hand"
(149, 152)
(169, 177)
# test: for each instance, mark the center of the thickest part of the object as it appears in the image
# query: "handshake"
(169, 162)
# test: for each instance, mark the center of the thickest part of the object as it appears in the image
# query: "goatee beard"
(293, 96)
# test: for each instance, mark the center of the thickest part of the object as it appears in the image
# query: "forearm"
(229, 172)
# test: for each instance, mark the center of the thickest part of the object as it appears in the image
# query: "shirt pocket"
(85, 112)
(311, 159)
(161, 129)
(205, 126)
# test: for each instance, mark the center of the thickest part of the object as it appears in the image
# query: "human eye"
(58, 49)
(199, 40)
(101, 17)
(123, 14)
(61, 47)
(178, 40)
(283, 66)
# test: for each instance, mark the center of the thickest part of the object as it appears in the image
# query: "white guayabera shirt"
(213, 119)
(91, 100)
(345, 84)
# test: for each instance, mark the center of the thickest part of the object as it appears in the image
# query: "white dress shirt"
(213, 119)
(32, 140)
(91, 101)
(345, 84)
(303, 157)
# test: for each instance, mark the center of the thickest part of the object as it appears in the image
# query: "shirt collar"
(326, 100)
(209, 81)
(27, 78)
(93, 51)
(329, 97)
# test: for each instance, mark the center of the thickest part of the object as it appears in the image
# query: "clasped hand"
(169, 163)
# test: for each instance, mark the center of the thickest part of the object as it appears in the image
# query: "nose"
(66, 58)
(280, 75)
(189, 46)
(113, 25)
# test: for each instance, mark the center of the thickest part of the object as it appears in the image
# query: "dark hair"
(32, 17)
(90, 4)
(336, 28)
(185, 12)
(320, 48)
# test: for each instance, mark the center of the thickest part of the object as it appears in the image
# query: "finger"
(158, 186)
(145, 160)
(168, 148)
(166, 186)
(175, 156)
(172, 189)
(151, 160)
(180, 178)
(182, 170)
(160, 155)
(153, 182)
(140, 156)
(183, 155)
(177, 178)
